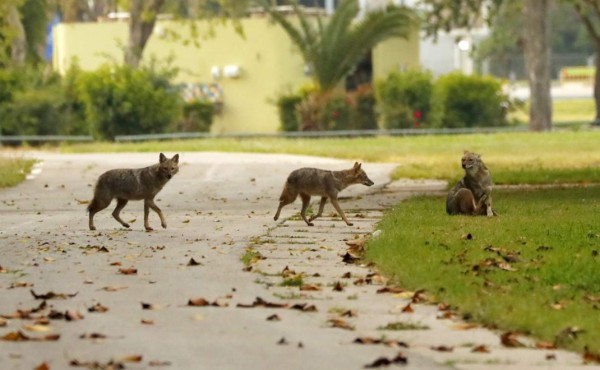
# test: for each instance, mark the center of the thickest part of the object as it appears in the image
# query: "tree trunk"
(142, 17)
(537, 63)
(18, 46)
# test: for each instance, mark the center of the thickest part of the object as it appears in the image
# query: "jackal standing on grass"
(327, 184)
(133, 184)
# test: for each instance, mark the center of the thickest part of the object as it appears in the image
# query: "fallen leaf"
(18, 336)
(465, 326)
(158, 363)
(287, 272)
(92, 336)
(419, 296)
(589, 357)
(339, 323)
(467, 236)
(545, 345)
(73, 315)
(282, 341)
(52, 295)
(274, 317)
(310, 287)
(394, 290)
(115, 263)
(42, 366)
(131, 358)
(481, 349)
(400, 359)
(128, 271)
(509, 339)
(387, 342)
(347, 275)
(408, 309)
(442, 348)
(338, 287)
(348, 258)
(37, 328)
(20, 284)
(304, 307)
(2, 322)
(193, 262)
(259, 302)
(113, 288)
(349, 313)
(151, 306)
(198, 302)
(111, 365)
(97, 308)
(147, 322)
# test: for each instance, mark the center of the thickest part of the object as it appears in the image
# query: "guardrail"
(242, 135)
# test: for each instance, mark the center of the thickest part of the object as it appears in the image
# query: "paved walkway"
(218, 208)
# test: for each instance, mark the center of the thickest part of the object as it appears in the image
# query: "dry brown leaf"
(259, 302)
(274, 317)
(193, 262)
(589, 357)
(481, 349)
(347, 275)
(338, 287)
(442, 348)
(3, 322)
(509, 339)
(156, 363)
(42, 366)
(390, 289)
(71, 315)
(113, 288)
(97, 308)
(198, 302)
(131, 358)
(151, 306)
(408, 309)
(339, 323)
(128, 271)
(147, 322)
(18, 336)
(304, 307)
(37, 328)
(545, 345)
(310, 287)
(92, 336)
(52, 295)
(388, 342)
(116, 263)
(349, 313)
(400, 359)
(465, 326)
(286, 272)
(349, 258)
(419, 296)
(20, 284)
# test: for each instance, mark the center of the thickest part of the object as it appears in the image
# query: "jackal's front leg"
(321, 207)
(337, 207)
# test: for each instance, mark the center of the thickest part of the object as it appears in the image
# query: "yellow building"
(251, 70)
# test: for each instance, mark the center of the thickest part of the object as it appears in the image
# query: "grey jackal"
(133, 184)
(327, 184)
(473, 194)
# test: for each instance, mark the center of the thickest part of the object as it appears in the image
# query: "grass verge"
(514, 158)
(533, 269)
(14, 170)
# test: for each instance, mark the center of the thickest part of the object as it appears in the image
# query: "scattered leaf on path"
(339, 323)
(481, 349)
(128, 271)
(52, 295)
(509, 339)
(400, 359)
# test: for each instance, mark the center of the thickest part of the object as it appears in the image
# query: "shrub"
(405, 99)
(120, 100)
(197, 116)
(364, 115)
(287, 106)
(471, 101)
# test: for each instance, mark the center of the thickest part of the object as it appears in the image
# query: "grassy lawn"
(563, 110)
(13, 170)
(512, 157)
(533, 269)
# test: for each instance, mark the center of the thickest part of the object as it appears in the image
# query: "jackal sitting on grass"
(473, 194)
(133, 184)
(327, 184)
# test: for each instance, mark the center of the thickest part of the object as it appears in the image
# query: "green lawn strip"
(14, 170)
(513, 158)
(552, 234)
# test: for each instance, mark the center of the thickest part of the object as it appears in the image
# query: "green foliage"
(405, 99)
(332, 110)
(197, 116)
(471, 101)
(36, 102)
(120, 100)
(536, 276)
(331, 50)
(288, 115)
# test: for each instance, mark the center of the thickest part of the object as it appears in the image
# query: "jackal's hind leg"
(321, 207)
(121, 203)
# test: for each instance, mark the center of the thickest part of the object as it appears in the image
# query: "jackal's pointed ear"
(176, 158)
(162, 158)
(356, 166)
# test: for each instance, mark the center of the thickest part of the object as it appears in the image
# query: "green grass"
(564, 110)
(554, 236)
(535, 158)
(14, 170)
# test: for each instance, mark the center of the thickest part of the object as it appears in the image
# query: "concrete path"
(218, 208)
